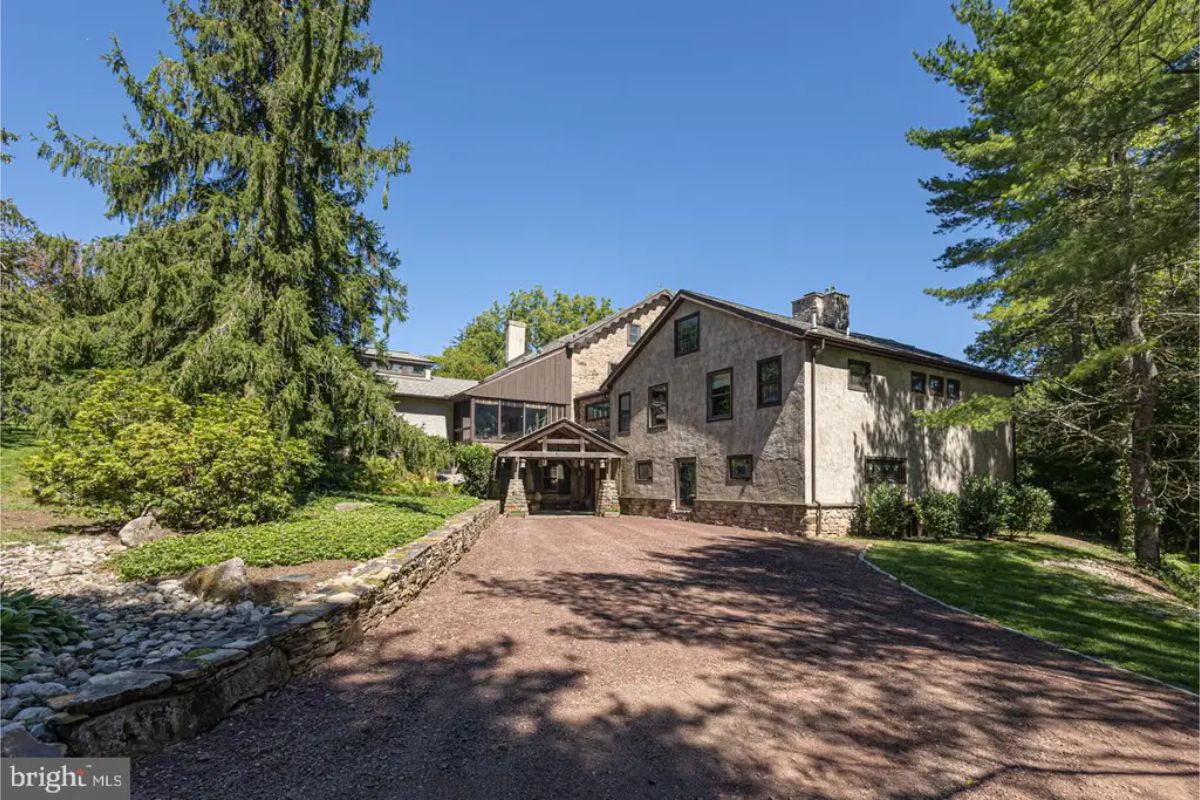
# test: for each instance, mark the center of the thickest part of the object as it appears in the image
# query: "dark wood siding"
(546, 379)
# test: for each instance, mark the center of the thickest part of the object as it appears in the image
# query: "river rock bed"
(128, 625)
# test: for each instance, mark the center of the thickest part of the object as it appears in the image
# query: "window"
(886, 470)
(953, 388)
(918, 382)
(643, 471)
(936, 385)
(624, 404)
(770, 382)
(512, 420)
(860, 375)
(535, 418)
(487, 420)
(657, 418)
(741, 468)
(687, 334)
(635, 333)
(720, 394)
(595, 411)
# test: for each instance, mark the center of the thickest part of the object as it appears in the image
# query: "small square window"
(741, 468)
(687, 334)
(635, 333)
(720, 394)
(643, 471)
(657, 416)
(770, 382)
(918, 382)
(596, 411)
(860, 375)
(886, 470)
(953, 388)
(936, 385)
(624, 403)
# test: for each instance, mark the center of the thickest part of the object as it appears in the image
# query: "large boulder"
(141, 530)
(225, 582)
(16, 742)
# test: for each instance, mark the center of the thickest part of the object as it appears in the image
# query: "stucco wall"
(773, 435)
(854, 425)
(429, 414)
(589, 365)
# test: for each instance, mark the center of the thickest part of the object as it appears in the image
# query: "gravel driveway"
(580, 657)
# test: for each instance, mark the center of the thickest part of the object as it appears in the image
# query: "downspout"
(812, 427)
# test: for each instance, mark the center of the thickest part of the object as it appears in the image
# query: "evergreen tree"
(249, 266)
(478, 349)
(1076, 180)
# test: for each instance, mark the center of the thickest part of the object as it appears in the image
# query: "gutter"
(812, 436)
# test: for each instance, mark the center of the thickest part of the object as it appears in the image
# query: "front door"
(686, 483)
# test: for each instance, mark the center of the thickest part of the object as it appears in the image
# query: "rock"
(65, 663)
(105, 665)
(60, 568)
(16, 742)
(277, 590)
(108, 691)
(9, 706)
(224, 582)
(39, 690)
(33, 714)
(60, 703)
(351, 506)
(141, 530)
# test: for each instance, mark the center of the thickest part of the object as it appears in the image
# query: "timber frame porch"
(561, 467)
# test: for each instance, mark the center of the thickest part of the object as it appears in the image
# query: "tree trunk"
(1143, 378)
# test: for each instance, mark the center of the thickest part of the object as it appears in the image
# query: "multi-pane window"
(595, 411)
(770, 382)
(936, 385)
(643, 471)
(860, 375)
(687, 334)
(918, 382)
(535, 418)
(624, 406)
(720, 394)
(657, 407)
(487, 420)
(886, 470)
(512, 420)
(953, 388)
(741, 468)
(635, 333)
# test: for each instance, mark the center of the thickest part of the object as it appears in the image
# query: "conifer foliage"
(249, 266)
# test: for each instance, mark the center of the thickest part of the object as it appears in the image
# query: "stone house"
(735, 415)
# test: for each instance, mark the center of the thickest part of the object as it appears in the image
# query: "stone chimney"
(514, 341)
(829, 309)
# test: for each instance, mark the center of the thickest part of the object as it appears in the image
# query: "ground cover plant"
(1019, 584)
(314, 532)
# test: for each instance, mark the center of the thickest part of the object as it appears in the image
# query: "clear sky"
(753, 151)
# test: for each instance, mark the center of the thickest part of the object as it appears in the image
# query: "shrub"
(28, 621)
(133, 448)
(1181, 576)
(420, 454)
(938, 514)
(1032, 508)
(983, 506)
(376, 473)
(887, 510)
(475, 463)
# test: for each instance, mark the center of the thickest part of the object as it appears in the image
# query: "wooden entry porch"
(561, 467)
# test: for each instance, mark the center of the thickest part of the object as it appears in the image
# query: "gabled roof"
(563, 426)
(397, 355)
(437, 386)
(851, 340)
(577, 339)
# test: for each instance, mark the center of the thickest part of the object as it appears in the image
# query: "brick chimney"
(514, 341)
(829, 309)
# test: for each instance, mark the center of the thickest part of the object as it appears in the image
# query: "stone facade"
(515, 502)
(137, 711)
(610, 498)
(590, 362)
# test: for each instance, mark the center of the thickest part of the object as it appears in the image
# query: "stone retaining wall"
(795, 518)
(135, 711)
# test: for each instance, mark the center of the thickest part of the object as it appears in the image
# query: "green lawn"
(1009, 583)
(314, 532)
(15, 446)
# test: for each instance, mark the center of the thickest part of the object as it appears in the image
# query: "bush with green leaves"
(421, 454)
(984, 506)
(475, 463)
(133, 448)
(938, 514)
(1032, 509)
(1181, 576)
(28, 621)
(887, 510)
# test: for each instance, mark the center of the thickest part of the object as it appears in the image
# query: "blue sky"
(754, 151)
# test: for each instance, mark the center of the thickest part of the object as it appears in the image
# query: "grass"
(314, 532)
(1008, 582)
(16, 445)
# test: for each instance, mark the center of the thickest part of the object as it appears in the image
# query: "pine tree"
(249, 266)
